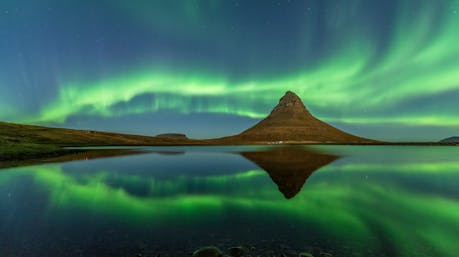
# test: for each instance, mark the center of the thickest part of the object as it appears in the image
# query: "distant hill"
(450, 140)
(172, 136)
(291, 122)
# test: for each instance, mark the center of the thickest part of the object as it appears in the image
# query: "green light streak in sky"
(351, 83)
(98, 98)
(343, 81)
(423, 120)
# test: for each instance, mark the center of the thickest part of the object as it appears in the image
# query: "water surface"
(344, 200)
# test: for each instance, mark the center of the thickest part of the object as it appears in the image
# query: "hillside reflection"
(289, 167)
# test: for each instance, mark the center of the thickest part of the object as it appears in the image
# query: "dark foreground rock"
(208, 251)
(237, 251)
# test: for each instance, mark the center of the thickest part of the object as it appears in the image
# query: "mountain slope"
(291, 122)
(11, 133)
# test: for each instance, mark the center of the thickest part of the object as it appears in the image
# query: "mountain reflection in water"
(289, 167)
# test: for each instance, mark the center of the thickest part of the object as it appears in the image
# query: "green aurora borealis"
(384, 66)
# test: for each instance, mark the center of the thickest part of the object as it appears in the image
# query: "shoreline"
(62, 155)
(20, 142)
(43, 152)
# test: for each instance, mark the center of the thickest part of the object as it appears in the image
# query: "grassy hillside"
(17, 133)
(19, 141)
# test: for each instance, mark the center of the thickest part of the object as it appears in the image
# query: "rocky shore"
(252, 251)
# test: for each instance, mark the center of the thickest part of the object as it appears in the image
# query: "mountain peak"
(290, 121)
(290, 93)
(290, 99)
(290, 105)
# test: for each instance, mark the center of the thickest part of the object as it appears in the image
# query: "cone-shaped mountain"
(291, 122)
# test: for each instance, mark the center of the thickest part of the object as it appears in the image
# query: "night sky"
(381, 69)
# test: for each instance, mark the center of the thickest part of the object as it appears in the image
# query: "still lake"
(168, 201)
